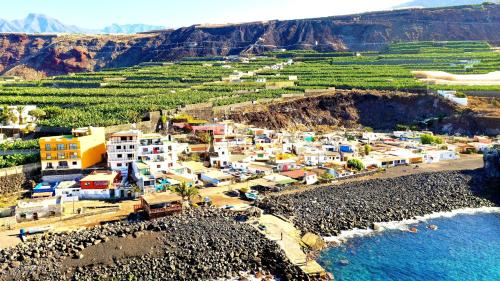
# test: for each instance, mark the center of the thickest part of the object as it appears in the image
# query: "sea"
(465, 246)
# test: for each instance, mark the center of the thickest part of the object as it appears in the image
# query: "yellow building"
(84, 148)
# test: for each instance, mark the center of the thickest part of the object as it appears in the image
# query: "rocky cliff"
(492, 164)
(49, 55)
(378, 110)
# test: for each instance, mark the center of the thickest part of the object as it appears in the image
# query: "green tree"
(38, 113)
(186, 192)
(401, 127)
(326, 178)
(20, 109)
(8, 115)
(430, 139)
(194, 157)
(204, 137)
(426, 139)
(53, 111)
(356, 164)
(368, 149)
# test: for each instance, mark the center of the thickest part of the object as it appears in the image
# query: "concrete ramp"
(288, 238)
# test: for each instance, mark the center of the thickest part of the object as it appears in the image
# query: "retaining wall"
(14, 179)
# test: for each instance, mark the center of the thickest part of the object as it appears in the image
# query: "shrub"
(368, 149)
(430, 139)
(356, 164)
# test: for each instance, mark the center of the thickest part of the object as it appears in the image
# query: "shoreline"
(334, 241)
(359, 207)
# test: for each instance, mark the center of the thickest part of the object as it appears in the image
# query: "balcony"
(127, 150)
(125, 142)
(116, 159)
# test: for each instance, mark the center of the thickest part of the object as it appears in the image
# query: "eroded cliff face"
(378, 110)
(49, 54)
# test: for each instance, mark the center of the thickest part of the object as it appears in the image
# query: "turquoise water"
(464, 247)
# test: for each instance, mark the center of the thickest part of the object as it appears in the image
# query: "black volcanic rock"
(329, 210)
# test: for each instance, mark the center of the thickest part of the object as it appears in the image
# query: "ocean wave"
(404, 224)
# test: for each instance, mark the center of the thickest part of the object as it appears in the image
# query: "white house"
(221, 155)
(36, 209)
(216, 178)
(451, 95)
(283, 165)
(68, 191)
(434, 156)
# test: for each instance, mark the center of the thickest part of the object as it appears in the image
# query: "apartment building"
(122, 150)
(156, 151)
(85, 147)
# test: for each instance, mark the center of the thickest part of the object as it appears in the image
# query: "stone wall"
(17, 178)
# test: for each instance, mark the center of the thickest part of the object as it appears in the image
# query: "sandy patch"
(445, 78)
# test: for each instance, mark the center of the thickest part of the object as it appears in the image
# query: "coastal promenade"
(288, 238)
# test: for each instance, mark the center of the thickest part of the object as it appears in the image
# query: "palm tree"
(186, 192)
(5, 116)
(135, 189)
(20, 109)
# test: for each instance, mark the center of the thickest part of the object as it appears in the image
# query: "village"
(195, 162)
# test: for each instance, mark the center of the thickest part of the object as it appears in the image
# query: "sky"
(177, 13)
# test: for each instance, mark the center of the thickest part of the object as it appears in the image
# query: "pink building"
(215, 129)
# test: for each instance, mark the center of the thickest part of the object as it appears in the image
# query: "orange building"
(84, 148)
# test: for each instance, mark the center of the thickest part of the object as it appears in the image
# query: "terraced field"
(391, 70)
(116, 96)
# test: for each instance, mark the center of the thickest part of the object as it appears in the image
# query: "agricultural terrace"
(391, 69)
(117, 96)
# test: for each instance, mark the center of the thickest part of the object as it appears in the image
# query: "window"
(61, 146)
(61, 156)
(48, 156)
(73, 146)
(119, 155)
(118, 147)
(119, 164)
(132, 147)
(74, 163)
(48, 147)
(158, 166)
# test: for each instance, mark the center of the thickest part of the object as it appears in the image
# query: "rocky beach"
(210, 244)
(198, 245)
(329, 210)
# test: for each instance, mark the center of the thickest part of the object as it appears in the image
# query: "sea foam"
(404, 224)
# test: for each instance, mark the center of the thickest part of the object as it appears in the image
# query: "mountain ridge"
(440, 3)
(39, 55)
(42, 24)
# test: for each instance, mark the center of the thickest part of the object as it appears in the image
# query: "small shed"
(159, 204)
